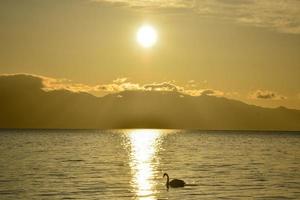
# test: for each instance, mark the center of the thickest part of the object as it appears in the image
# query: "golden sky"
(246, 50)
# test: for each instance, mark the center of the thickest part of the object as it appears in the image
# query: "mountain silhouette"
(24, 104)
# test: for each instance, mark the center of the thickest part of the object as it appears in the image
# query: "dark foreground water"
(129, 164)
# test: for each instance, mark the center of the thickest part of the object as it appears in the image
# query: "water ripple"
(128, 164)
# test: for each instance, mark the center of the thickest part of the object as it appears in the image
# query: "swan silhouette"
(175, 183)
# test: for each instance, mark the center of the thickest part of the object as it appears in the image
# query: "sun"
(146, 36)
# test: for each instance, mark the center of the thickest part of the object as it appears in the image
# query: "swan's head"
(165, 174)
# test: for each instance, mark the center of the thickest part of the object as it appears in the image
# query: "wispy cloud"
(50, 84)
(165, 86)
(117, 85)
(280, 15)
(151, 4)
(211, 92)
(123, 84)
(168, 86)
(267, 95)
(120, 80)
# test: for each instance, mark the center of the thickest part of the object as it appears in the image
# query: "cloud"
(165, 86)
(120, 80)
(152, 4)
(211, 92)
(280, 15)
(129, 86)
(191, 84)
(117, 85)
(48, 83)
(162, 87)
(267, 95)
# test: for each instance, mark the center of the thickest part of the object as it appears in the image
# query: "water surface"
(129, 164)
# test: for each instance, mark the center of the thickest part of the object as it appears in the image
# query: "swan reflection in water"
(144, 145)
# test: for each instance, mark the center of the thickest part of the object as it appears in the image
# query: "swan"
(174, 183)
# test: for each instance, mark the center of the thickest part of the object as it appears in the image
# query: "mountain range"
(25, 104)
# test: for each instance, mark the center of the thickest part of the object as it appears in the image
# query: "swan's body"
(174, 183)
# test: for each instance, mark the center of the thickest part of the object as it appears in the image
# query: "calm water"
(129, 164)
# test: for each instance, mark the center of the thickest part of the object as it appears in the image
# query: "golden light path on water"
(144, 147)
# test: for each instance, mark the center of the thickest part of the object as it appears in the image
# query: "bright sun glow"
(146, 36)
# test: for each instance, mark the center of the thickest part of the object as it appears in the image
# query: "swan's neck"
(167, 183)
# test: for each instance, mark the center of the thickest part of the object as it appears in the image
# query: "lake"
(129, 164)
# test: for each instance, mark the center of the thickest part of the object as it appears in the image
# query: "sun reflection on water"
(144, 146)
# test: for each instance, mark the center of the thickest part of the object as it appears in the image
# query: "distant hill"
(24, 104)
